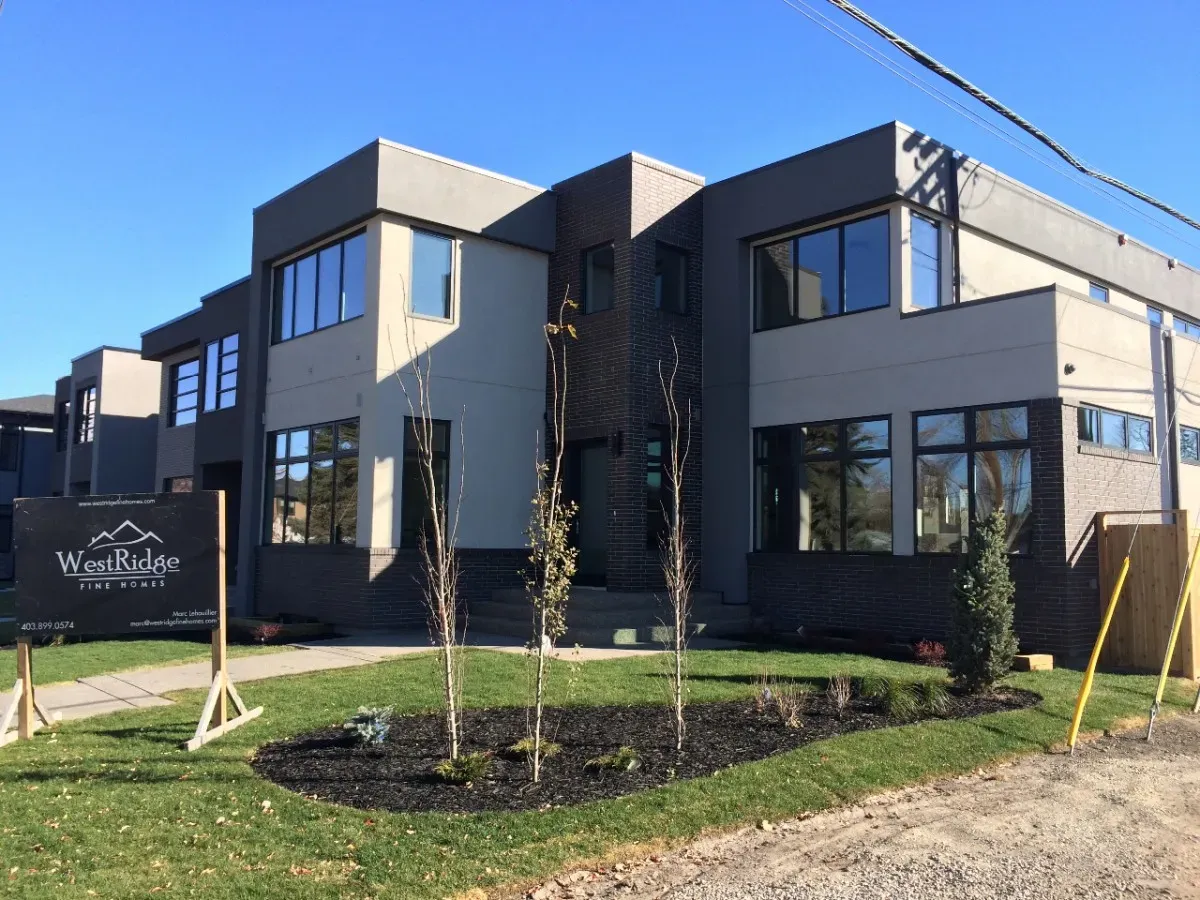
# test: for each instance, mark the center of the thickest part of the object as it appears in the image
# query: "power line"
(995, 105)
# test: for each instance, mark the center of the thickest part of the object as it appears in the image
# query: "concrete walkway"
(100, 694)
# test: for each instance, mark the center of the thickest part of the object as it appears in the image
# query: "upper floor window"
(1186, 326)
(314, 477)
(321, 288)
(415, 512)
(970, 462)
(1154, 315)
(670, 278)
(825, 486)
(432, 267)
(62, 425)
(85, 415)
(1189, 444)
(925, 261)
(220, 373)
(1098, 292)
(1118, 430)
(9, 450)
(599, 264)
(185, 392)
(831, 272)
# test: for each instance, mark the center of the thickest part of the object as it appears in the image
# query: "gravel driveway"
(1121, 819)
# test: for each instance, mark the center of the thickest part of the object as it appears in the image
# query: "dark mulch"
(397, 775)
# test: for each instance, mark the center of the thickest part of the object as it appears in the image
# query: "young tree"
(551, 556)
(982, 643)
(679, 570)
(438, 540)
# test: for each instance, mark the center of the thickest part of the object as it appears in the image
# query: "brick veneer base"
(376, 587)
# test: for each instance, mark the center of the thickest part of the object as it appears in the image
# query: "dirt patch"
(397, 775)
(1120, 819)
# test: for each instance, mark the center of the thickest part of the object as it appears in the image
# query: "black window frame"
(409, 538)
(969, 447)
(660, 510)
(178, 397)
(840, 227)
(85, 416)
(448, 299)
(334, 453)
(1191, 461)
(1094, 288)
(685, 282)
(222, 356)
(841, 455)
(1100, 410)
(585, 262)
(277, 281)
(62, 425)
(10, 449)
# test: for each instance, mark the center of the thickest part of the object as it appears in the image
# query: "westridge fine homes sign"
(123, 563)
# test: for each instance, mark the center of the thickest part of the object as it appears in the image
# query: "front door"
(586, 483)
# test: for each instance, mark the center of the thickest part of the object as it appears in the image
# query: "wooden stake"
(25, 711)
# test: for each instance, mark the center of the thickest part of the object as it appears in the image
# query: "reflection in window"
(925, 261)
(823, 273)
(824, 487)
(1154, 315)
(1189, 444)
(1186, 326)
(1098, 292)
(598, 266)
(314, 485)
(657, 490)
(180, 484)
(85, 415)
(220, 373)
(320, 289)
(415, 506)
(1117, 430)
(185, 392)
(968, 463)
(432, 263)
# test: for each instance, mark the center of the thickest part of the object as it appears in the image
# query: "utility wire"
(915, 80)
(996, 106)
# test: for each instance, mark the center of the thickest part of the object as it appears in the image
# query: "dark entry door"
(587, 484)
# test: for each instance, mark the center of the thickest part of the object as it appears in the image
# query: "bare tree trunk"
(678, 567)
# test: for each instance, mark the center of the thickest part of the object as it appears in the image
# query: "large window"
(670, 278)
(85, 415)
(432, 267)
(970, 462)
(837, 270)
(314, 485)
(1116, 430)
(9, 450)
(599, 264)
(825, 486)
(925, 261)
(320, 289)
(185, 392)
(415, 514)
(220, 373)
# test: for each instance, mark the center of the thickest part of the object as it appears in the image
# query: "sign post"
(124, 563)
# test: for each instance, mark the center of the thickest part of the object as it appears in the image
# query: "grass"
(52, 665)
(111, 805)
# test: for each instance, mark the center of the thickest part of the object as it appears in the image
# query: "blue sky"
(136, 137)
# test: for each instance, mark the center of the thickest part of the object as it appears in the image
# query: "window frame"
(1094, 288)
(412, 263)
(174, 409)
(585, 306)
(937, 233)
(1151, 312)
(969, 447)
(661, 433)
(1100, 410)
(84, 430)
(685, 285)
(271, 461)
(413, 543)
(221, 356)
(277, 270)
(792, 238)
(1187, 460)
(1189, 329)
(841, 455)
(62, 425)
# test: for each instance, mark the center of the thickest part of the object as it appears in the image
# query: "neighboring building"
(105, 419)
(879, 340)
(26, 456)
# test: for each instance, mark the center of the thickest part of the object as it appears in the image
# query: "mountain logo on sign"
(124, 535)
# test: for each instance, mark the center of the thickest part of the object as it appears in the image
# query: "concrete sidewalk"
(100, 694)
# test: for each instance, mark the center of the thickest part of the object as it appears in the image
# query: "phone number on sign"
(47, 626)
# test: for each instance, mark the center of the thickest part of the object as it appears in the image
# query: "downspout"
(1172, 449)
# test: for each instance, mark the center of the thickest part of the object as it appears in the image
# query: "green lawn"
(112, 806)
(70, 661)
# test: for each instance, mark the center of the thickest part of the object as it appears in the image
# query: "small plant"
(902, 701)
(266, 632)
(466, 769)
(933, 697)
(789, 699)
(839, 691)
(524, 748)
(930, 653)
(874, 687)
(762, 692)
(370, 724)
(626, 759)
(983, 644)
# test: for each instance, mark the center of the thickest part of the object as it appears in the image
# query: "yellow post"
(1086, 688)
(1180, 610)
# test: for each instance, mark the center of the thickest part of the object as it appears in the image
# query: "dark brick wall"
(373, 587)
(613, 385)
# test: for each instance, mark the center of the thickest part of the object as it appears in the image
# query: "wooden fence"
(1158, 560)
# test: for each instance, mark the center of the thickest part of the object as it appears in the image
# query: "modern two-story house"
(26, 458)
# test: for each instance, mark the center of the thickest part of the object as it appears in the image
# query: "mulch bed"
(397, 775)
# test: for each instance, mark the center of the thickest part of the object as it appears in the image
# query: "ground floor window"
(180, 484)
(970, 462)
(313, 477)
(1118, 430)
(825, 486)
(415, 513)
(658, 491)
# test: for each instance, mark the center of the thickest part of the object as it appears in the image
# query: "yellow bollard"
(1180, 610)
(1086, 688)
